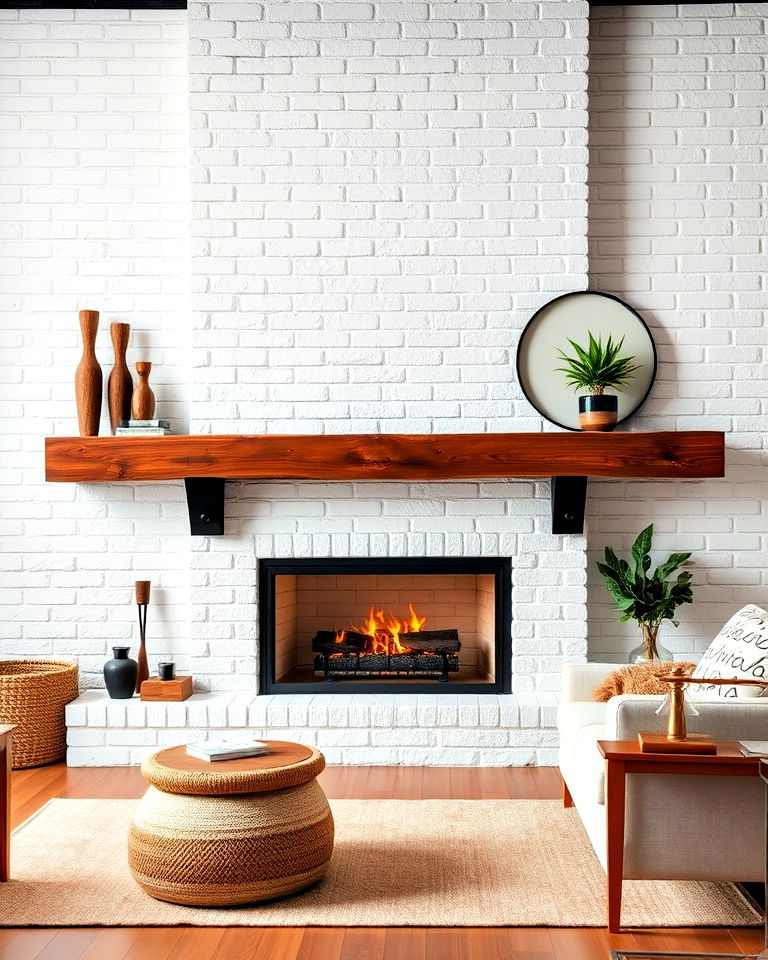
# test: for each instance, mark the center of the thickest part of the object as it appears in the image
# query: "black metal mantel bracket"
(205, 502)
(569, 500)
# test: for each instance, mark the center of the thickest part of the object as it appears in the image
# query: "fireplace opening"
(419, 625)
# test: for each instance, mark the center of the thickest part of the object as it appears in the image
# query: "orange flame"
(385, 631)
(415, 622)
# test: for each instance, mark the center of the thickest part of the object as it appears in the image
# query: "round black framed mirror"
(573, 316)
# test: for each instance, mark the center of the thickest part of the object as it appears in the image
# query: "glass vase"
(650, 649)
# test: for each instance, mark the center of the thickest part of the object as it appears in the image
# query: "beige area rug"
(479, 863)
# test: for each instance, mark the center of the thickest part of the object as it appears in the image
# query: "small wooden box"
(180, 688)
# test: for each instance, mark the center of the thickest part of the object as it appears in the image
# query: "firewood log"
(324, 641)
(432, 641)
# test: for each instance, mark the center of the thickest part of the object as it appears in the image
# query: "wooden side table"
(6, 733)
(763, 771)
(623, 757)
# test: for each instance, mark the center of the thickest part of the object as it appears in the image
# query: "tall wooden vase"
(88, 377)
(143, 402)
(120, 382)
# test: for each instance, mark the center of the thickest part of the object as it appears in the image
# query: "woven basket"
(33, 694)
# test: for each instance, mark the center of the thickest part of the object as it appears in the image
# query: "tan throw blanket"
(639, 678)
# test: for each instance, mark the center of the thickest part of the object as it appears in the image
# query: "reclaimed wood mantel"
(206, 461)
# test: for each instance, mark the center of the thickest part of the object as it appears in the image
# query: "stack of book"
(754, 748)
(212, 750)
(143, 428)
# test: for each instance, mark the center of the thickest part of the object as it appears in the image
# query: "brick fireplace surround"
(448, 728)
(382, 195)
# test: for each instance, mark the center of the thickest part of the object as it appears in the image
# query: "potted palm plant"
(648, 598)
(596, 368)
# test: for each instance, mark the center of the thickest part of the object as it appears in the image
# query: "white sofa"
(677, 827)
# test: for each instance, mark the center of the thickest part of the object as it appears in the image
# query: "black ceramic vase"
(120, 674)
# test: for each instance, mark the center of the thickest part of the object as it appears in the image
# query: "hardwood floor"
(32, 788)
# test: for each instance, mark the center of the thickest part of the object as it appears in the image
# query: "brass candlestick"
(677, 739)
(676, 726)
(676, 729)
(142, 601)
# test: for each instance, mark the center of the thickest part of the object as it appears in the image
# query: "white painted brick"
(86, 738)
(488, 711)
(96, 715)
(537, 738)
(383, 712)
(359, 712)
(156, 714)
(298, 712)
(474, 738)
(75, 714)
(342, 738)
(135, 712)
(318, 712)
(97, 756)
(406, 711)
(403, 738)
(131, 738)
(176, 714)
(116, 712)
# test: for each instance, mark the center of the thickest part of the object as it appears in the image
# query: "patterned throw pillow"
(739, 650)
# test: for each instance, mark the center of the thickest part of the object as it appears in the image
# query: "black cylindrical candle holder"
(166, 671)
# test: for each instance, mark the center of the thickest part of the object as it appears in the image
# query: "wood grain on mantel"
(665, 454)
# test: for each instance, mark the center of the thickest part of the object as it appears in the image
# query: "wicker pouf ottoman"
(232, 831)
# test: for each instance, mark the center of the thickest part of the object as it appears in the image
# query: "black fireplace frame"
(500, 567)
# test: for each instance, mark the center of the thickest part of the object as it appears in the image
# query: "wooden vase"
(120, 382)
(88, 377)
(143, 401)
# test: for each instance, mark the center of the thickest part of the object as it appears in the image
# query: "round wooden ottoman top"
(286, 765)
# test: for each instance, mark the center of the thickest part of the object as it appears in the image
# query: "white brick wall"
(94, 213)
(383, 193)
(677, 225)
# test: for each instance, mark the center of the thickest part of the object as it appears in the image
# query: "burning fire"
(384, 631)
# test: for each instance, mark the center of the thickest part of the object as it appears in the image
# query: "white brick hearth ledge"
(442, 730)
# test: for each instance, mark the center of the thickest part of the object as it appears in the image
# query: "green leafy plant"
(641, 595)
(598, 366)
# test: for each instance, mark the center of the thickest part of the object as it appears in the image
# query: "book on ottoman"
(227, 749)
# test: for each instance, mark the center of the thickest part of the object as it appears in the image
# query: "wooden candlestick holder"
(142, 602)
